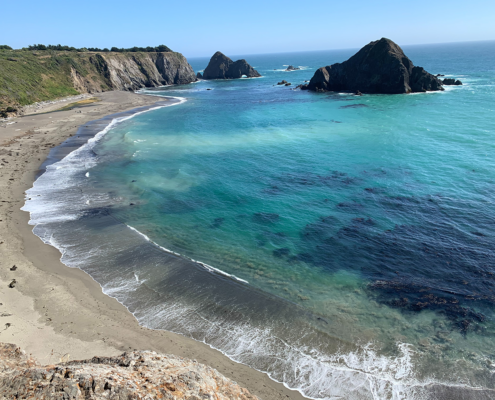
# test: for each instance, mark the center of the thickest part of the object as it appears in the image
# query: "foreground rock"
(222, 67)
(379, 67)
(131, 376)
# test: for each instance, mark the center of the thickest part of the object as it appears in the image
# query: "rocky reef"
(222, 67)
(379, 67)
(130, 376)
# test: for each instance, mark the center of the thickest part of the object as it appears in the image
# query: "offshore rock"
(450, 81)
(222, 67)
(292, 68)
(379, 67)
(130, 376)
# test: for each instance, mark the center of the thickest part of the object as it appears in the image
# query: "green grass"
(28, 76)
(33, 78)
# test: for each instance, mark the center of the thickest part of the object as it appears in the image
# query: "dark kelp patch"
(301, 180)
(409, 296)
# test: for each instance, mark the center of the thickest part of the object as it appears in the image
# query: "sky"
(200, 28)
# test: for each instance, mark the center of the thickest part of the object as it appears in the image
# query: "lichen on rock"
(133, 375)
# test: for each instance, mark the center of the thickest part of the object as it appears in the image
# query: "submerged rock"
(132, 375)
(379, 67)
(222, 67)
(266, 218)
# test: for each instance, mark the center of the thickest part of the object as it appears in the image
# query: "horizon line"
(348, 48)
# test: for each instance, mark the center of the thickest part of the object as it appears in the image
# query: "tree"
(162, 48)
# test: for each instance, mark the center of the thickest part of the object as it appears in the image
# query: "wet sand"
(55, 312)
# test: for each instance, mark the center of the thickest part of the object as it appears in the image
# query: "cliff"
(379, 67)
(222, 67)
(130, 376)
(27, 77)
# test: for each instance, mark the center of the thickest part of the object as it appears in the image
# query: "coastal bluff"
(222, 67)
(132, 375)
(380, 67)
(28, 77)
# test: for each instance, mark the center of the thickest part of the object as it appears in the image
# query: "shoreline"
(57, 312)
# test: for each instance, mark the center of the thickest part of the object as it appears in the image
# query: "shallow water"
(347, 242)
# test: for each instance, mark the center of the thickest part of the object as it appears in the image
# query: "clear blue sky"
(199, 28)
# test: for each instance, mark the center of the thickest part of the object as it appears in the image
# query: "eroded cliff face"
(27, 77)
(130, 376)
(131, 71)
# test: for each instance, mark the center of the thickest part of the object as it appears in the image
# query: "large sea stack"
(379, 67)
(222, 67)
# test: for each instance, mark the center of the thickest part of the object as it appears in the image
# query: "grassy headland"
(41, 73)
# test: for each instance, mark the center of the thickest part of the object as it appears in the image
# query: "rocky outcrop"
(199, 76)
(379, 67)
(130, 376)
(222, 67)
(292, 68)
(450, 81)
(132, 71)
(49, 75)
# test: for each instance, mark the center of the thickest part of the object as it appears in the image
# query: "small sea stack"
(451, 81)
(379, 67)
(292, 68)
(222, 67)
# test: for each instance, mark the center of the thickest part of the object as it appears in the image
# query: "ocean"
(344, 245)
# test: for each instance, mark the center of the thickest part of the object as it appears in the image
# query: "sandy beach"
(58, 313)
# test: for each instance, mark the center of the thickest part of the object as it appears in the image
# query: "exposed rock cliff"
(47, 75)
(222, 67)
(131, 376)
(131, 71)
(379, 67)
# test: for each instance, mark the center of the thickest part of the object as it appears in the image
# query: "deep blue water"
(356, 235)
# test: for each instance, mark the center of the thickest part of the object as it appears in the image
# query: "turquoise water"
(354, 236)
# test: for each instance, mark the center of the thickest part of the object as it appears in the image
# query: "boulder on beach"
(379, 67)
(222, 67)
